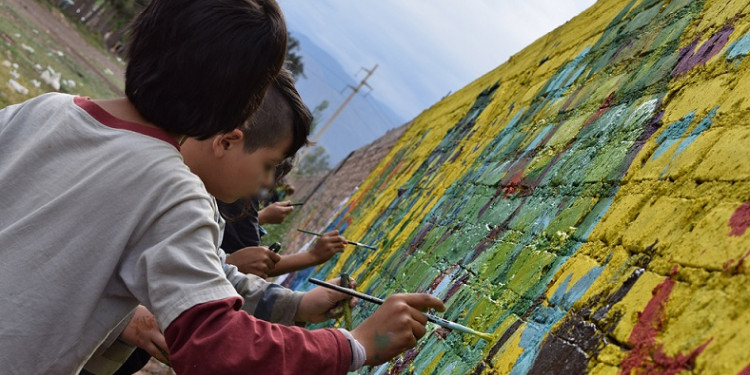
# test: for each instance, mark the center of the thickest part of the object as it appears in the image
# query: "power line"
(355, 90)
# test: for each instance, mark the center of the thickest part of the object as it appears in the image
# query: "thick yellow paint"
(673, 210)
(507, 356)
(432, 367)
(634, 302)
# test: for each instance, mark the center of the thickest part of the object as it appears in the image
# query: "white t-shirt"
(95, 218)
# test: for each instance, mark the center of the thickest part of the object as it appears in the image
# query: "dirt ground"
(57, 27)
(97, 62)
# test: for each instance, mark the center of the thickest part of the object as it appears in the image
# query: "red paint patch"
(734, 269)
(745, 371)
(513, 184)
(740, 220)
(647, 356)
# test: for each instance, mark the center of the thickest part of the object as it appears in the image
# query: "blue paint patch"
(739, 49)
(566, 298)
(539, 138)
(702, 126)
(543, 318)
(672, 134)
(445, 283)
(600, 208)
(561, 81)
(507, 133)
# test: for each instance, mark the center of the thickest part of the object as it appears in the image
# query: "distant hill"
(362, 121)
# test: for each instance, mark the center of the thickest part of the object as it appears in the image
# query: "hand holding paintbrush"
(434, 319)
(349, 242)
(395, 326)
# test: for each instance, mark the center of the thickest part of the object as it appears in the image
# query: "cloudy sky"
(425, 48)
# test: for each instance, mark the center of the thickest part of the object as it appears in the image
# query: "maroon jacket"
(219, 338)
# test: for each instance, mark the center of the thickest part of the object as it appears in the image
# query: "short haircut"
(202, 67)
(281, 115)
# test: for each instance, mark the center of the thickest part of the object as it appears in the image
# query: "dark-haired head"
(281, 116)
(202, 67)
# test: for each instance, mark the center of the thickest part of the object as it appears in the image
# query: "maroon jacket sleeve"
(218, 338)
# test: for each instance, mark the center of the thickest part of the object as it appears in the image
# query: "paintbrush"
(349, 242)
(275, 247)
(295, 204)
(432, 318)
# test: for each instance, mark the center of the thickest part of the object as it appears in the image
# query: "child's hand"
(321, 304)
(255, 260)
(395, 326)
(327, 246)
(143, 332)
(275, 213)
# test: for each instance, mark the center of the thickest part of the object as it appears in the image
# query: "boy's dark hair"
(202, 67)
(282, 105)
(283, 169)
(268, 126)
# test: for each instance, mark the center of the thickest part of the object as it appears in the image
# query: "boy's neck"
(123, 109)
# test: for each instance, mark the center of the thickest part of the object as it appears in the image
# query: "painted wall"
(587, 202)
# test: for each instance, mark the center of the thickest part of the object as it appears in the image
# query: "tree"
(293, 58)
(313, 162)
(316, 113)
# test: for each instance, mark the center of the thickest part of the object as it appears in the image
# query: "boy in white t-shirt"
(100, 213)
(263, 300)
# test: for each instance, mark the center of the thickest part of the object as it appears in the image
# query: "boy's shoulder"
(44, 100)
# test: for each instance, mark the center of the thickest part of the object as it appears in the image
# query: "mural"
(587, 202)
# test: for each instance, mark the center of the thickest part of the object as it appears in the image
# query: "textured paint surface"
(586, 202)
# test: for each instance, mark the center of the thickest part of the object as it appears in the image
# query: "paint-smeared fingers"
(423, 301)
(418, 328)
(418, 316)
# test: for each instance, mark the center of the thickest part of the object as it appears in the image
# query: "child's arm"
(216, 338)
(143, 332)
(254, 260)
(274, 213)
(263, 300)
(324, 249)
(274, 303)
(395, 326)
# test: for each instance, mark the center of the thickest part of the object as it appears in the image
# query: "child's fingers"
(270, 264)
(418, 316)
(161, 344)
(421, 301)
(156, 352)
(273, 257)
(418, 329)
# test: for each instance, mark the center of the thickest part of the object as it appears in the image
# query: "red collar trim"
(99, 114)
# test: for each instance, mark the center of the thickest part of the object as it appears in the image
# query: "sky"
(425, 48)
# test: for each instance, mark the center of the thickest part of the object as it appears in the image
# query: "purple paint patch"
(709, 49)
(740, 220)
(621, 50)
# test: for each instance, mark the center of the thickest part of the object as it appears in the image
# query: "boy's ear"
(226, 141)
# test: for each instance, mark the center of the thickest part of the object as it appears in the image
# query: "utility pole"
(355, 90)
